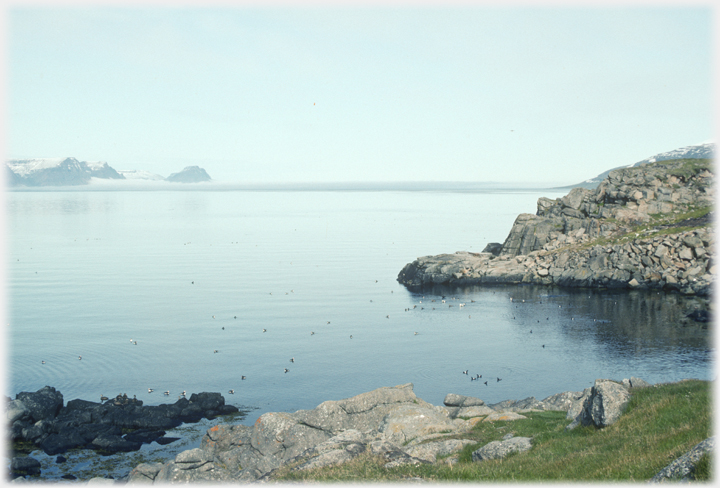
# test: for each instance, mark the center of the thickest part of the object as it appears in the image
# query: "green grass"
(685, 168)
(703, 468)
(659, 425)
(647, 231)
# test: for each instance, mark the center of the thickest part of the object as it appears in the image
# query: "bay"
(184, 274)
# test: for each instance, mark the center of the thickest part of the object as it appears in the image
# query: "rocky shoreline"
(39, 420)
(391, 422)
(627, 233)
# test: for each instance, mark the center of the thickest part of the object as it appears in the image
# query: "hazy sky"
(373, 94)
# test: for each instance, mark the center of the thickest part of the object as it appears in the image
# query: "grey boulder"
(500, 449)
(600, 405)
(683, 468)
(42, 404)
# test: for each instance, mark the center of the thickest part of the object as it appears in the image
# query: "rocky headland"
(646, 227)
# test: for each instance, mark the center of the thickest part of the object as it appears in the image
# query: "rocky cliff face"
(644, 227)
(625, 199)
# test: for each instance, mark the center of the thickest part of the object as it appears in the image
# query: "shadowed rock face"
(600, 405)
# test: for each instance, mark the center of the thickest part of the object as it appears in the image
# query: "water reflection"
(624, 323)
(41, 204)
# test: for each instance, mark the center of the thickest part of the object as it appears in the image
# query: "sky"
(301, 93)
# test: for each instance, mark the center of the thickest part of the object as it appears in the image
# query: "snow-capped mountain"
(100, 169)
(700, 151)
(49, 171)
(71, 172)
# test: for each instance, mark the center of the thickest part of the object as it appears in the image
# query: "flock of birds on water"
(441, 300)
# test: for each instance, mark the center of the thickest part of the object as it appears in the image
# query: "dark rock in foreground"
(41, 419)
(24, 466)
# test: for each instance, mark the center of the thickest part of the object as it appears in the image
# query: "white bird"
(150, 390)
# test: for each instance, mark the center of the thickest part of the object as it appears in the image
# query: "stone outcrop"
(683, 468)
(119, 424)
(465, 407)
(389, 422)
(563, 243)
(24, 466)
(500, 449)
(600, 405)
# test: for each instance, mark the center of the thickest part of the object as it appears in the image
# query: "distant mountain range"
(71, 172)
(701, 151)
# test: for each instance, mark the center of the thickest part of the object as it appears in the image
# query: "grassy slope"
(659, 425)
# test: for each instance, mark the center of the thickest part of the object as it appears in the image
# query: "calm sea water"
(187, 273)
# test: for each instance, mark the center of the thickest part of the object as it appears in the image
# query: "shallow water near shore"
(185, 274)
